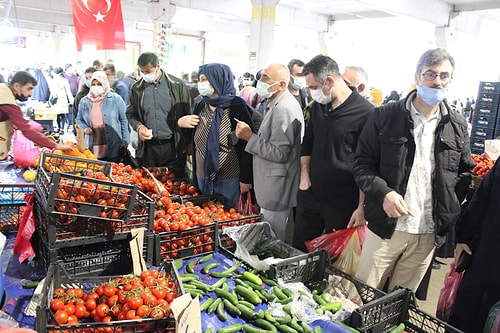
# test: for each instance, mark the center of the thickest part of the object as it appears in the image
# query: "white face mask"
(87, 83)
(320, 97)
(150, 77)
(205, 89)
(97, 90)
(262, 89)
(299, 83)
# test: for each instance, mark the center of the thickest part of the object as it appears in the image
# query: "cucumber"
(400, 328)
(320, 300)
(205, 258)
(208, 267)
(285, 301)
(266, 295)
(287, 292)
(269, 282)
(260, 314)
(178, 263)
(230, 329)
(204, 306)
(287, 329)
(214, 305)
(287, 309)
(226, 273)
(190, 266)
(306, 327)
(208, 330)
(279, 293)
(250, 329)
(284, 320)
(246, 313)
(295, 325)
(268, 315)
(262, 323)
(332, 306)
(231, 308)
(349, 328)
(248, 294)
(189, 277)
(219, 283)
(227, 295)
(241, 282)
(249, 276)
(195, 292)
(202, 286)
(220, 312)
(247, 304)
(318, 329)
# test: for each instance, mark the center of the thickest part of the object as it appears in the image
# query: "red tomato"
(61, 316)
(101, 310)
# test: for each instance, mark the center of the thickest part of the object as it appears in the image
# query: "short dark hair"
(294, 62)
(96, 62)
(23, 78)
(110, 67)
(434, 57)
(147, 58)
(90, 70)
(320, 67)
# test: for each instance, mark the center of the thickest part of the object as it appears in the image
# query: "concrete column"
(57, 36)
(444, 36)
(261, 33)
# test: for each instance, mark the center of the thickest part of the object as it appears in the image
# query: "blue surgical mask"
(431, 96)
(205, 89)
(262, 89)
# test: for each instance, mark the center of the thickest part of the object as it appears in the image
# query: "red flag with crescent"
(99, 23)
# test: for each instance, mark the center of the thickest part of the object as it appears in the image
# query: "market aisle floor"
(435, 285)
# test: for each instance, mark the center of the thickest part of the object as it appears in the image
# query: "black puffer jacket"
(384, 158)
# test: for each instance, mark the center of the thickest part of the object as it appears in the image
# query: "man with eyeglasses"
(413, 164)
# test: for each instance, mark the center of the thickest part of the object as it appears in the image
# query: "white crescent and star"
(98, 17)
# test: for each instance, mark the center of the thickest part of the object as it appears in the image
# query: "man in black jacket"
(328, 198)
(413, 163)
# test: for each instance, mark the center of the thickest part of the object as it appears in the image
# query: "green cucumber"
(306, 327)
(246, 313)
(227, 295)
(262, 323)
(320, 300)
(250, 329)
(349, 328)
(249, 276)
(268, 315)
(220, 312)
(284, 320)
(178, 263)
(332, 306)
(247, 304)
(219, 283)
(205, 258)
(214, 305)
(231, 308)
(279, 293)
(269, 282)
(287, 329)
(204, 306)
(187, 277)
(208, 330)
(248, 294)
(295, 325)
(190, 266)
(208, 267)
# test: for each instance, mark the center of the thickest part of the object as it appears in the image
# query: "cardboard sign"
(136, 248)
(492, 149)
(187, 314)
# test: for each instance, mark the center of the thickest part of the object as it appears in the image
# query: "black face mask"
(21, 98)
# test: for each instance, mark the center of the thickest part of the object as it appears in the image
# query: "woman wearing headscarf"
(220, 162)
(41, 92)
(101, 116)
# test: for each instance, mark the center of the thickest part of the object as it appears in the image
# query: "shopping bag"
(348, 259)
(25, 152)
(334, 242)
(446, 301)
(22, 244)
(245, 205)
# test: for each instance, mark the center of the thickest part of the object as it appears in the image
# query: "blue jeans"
(228, 188)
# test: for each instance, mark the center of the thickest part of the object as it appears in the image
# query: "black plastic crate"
(12, 205)
(477, 145)
(486, 98)
(224, 240)
(202, 200)
(421, 322)
(486, 109)
(308, 268)
(484, 121)
(485, 132)
(382, 314)
(489, 87)
(103, 258)
(10, 217)
(58, 277)
(71, 164)
(184, 244)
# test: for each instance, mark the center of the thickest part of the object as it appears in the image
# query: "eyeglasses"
(431, 76)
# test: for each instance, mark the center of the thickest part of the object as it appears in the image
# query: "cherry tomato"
(61, 316)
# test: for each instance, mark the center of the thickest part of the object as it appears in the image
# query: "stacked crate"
(484, 122)
(85, 222)
(12, 205)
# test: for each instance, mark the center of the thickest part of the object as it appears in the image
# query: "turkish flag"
(98, 22)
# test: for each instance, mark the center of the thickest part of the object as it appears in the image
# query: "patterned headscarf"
(103, 79)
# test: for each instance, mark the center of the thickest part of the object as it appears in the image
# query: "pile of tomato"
(125, 298)
(483, 165)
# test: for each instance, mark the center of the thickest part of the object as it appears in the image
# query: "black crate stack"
(485, 124)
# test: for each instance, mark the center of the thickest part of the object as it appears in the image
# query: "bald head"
(277, 76)
(356, 77)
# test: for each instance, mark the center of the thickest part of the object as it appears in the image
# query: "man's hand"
(189, 121)
(144, 133)
(244, 188)
(63, 147)
(88, 131)
(394, 205)
(243, 131)
(357, 218)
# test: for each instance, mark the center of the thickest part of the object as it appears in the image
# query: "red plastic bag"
(245, 206)
(446, 301)
(22, 245)
(348, 259)
(25, 152)
(335, 242)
